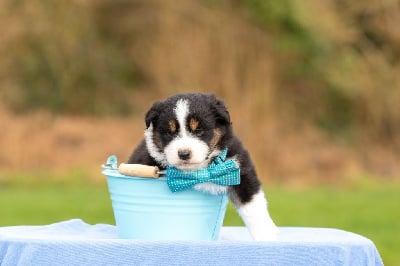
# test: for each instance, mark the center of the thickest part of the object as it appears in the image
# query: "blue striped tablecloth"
(75, 242)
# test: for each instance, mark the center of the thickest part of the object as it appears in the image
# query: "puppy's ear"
(221, 112)
(153, 113)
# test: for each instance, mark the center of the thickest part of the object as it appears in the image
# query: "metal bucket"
(145, 208)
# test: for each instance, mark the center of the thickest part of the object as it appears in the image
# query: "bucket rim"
(116, 173)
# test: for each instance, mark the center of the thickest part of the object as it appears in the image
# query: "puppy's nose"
(184, 154)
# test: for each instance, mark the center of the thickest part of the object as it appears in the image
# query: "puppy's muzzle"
(184, 154)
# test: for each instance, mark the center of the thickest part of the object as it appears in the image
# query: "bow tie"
(220, 172)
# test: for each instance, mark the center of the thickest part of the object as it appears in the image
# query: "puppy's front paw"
(265, 233)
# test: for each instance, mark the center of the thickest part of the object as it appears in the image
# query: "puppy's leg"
(249, 198)
(257, 219)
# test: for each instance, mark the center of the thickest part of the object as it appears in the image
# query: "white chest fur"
(211, 188)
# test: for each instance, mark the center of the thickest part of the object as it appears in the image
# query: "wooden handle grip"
(139, 170)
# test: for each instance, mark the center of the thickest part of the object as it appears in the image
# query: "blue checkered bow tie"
(220, 172)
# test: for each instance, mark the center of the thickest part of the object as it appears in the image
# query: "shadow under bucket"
(145, 208)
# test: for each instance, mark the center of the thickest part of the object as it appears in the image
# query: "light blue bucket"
(145, 208)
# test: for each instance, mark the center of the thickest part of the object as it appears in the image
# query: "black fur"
(212, 114)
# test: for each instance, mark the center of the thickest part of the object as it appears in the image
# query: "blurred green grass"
(367, 209)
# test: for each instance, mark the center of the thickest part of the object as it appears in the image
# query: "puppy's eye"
(171, 133)
(198, 132)
(195, 128)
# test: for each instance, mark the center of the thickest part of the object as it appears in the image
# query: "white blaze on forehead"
(181, 111)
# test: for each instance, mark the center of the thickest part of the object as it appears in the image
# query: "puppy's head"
(187, 130)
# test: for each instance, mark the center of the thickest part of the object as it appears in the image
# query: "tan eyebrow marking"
(172, 126)
(193, 124)
(216, 138)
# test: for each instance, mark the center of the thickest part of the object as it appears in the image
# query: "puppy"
(188, 131)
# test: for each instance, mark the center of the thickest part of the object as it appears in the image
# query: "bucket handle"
(137, 170)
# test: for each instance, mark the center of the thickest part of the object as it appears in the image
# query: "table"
(75, 242)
